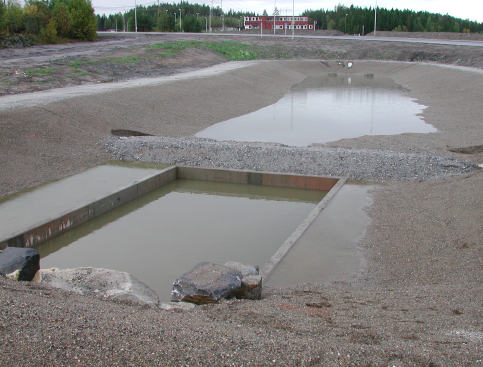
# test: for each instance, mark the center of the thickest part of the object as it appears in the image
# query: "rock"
(246, 270)
(251, 288)
(103, 283)
(206, 283)
(19, 263)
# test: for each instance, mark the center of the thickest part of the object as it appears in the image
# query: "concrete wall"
(34, 235)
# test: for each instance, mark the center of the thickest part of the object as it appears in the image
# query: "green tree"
(3, 17)
(49, 33)
(14, 17)
(191, 24)
(84, 24)
(37, 16)
(166, 22)
(62, 19)
(145, 23)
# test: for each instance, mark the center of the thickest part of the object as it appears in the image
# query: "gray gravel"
(418, 302)
(357, 164)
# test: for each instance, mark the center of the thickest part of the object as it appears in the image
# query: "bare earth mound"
(418, 302)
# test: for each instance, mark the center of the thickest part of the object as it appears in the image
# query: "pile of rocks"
(205, 283)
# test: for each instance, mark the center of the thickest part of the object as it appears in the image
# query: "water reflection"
(164, 233)
(326, 108)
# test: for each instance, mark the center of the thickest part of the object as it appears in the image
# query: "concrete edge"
(35, 234)
(38, 233)
(294, 237)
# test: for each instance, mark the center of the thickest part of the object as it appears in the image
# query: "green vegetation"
(39, 72)
(352, 20)
(49, 21)
(161, 18)
(80, 72)
(231, 50)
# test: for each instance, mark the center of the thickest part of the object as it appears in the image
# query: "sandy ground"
(418, 302)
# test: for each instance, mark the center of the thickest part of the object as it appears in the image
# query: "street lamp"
(346, 23)
(175, 22)
(180, 29)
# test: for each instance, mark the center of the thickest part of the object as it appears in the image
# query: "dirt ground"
(118, 57)
(418, 302)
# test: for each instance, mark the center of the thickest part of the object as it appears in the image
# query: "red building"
(281, 22)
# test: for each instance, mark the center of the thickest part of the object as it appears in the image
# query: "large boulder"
(19, 263)
(206, 283)
(103, 283)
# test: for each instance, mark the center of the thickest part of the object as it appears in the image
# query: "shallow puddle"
(327, 251)
(35, 205)
(328, 108)
(162, 234)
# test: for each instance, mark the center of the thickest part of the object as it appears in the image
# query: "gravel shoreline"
(356, 164)
(418, 302)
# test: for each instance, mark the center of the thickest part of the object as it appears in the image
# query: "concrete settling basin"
(159, 227)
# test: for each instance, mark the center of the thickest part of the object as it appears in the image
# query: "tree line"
(164, 17)
(356, 20)
(49, 21)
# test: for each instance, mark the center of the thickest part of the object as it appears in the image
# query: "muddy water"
(327, 251)
(163, 234)
(40, 203)
(326, 108)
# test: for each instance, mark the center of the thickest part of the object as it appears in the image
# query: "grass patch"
(233, 50)
(80, 72)
(167, 53)
(39, 72)
(174, 46)
(125, 60)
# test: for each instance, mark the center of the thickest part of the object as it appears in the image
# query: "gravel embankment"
(357, 164)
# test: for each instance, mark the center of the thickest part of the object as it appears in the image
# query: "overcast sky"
(465, 9)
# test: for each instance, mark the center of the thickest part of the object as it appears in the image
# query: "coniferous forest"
(351, 20)
(51, 21)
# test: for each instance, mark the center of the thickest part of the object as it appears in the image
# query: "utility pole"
(135, 16)
(211, 14)
(375, 19)
(158, 16)
(293, 19)
(180, 29)
(274, 15)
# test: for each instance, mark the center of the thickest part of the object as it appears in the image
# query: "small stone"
(251, 288)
